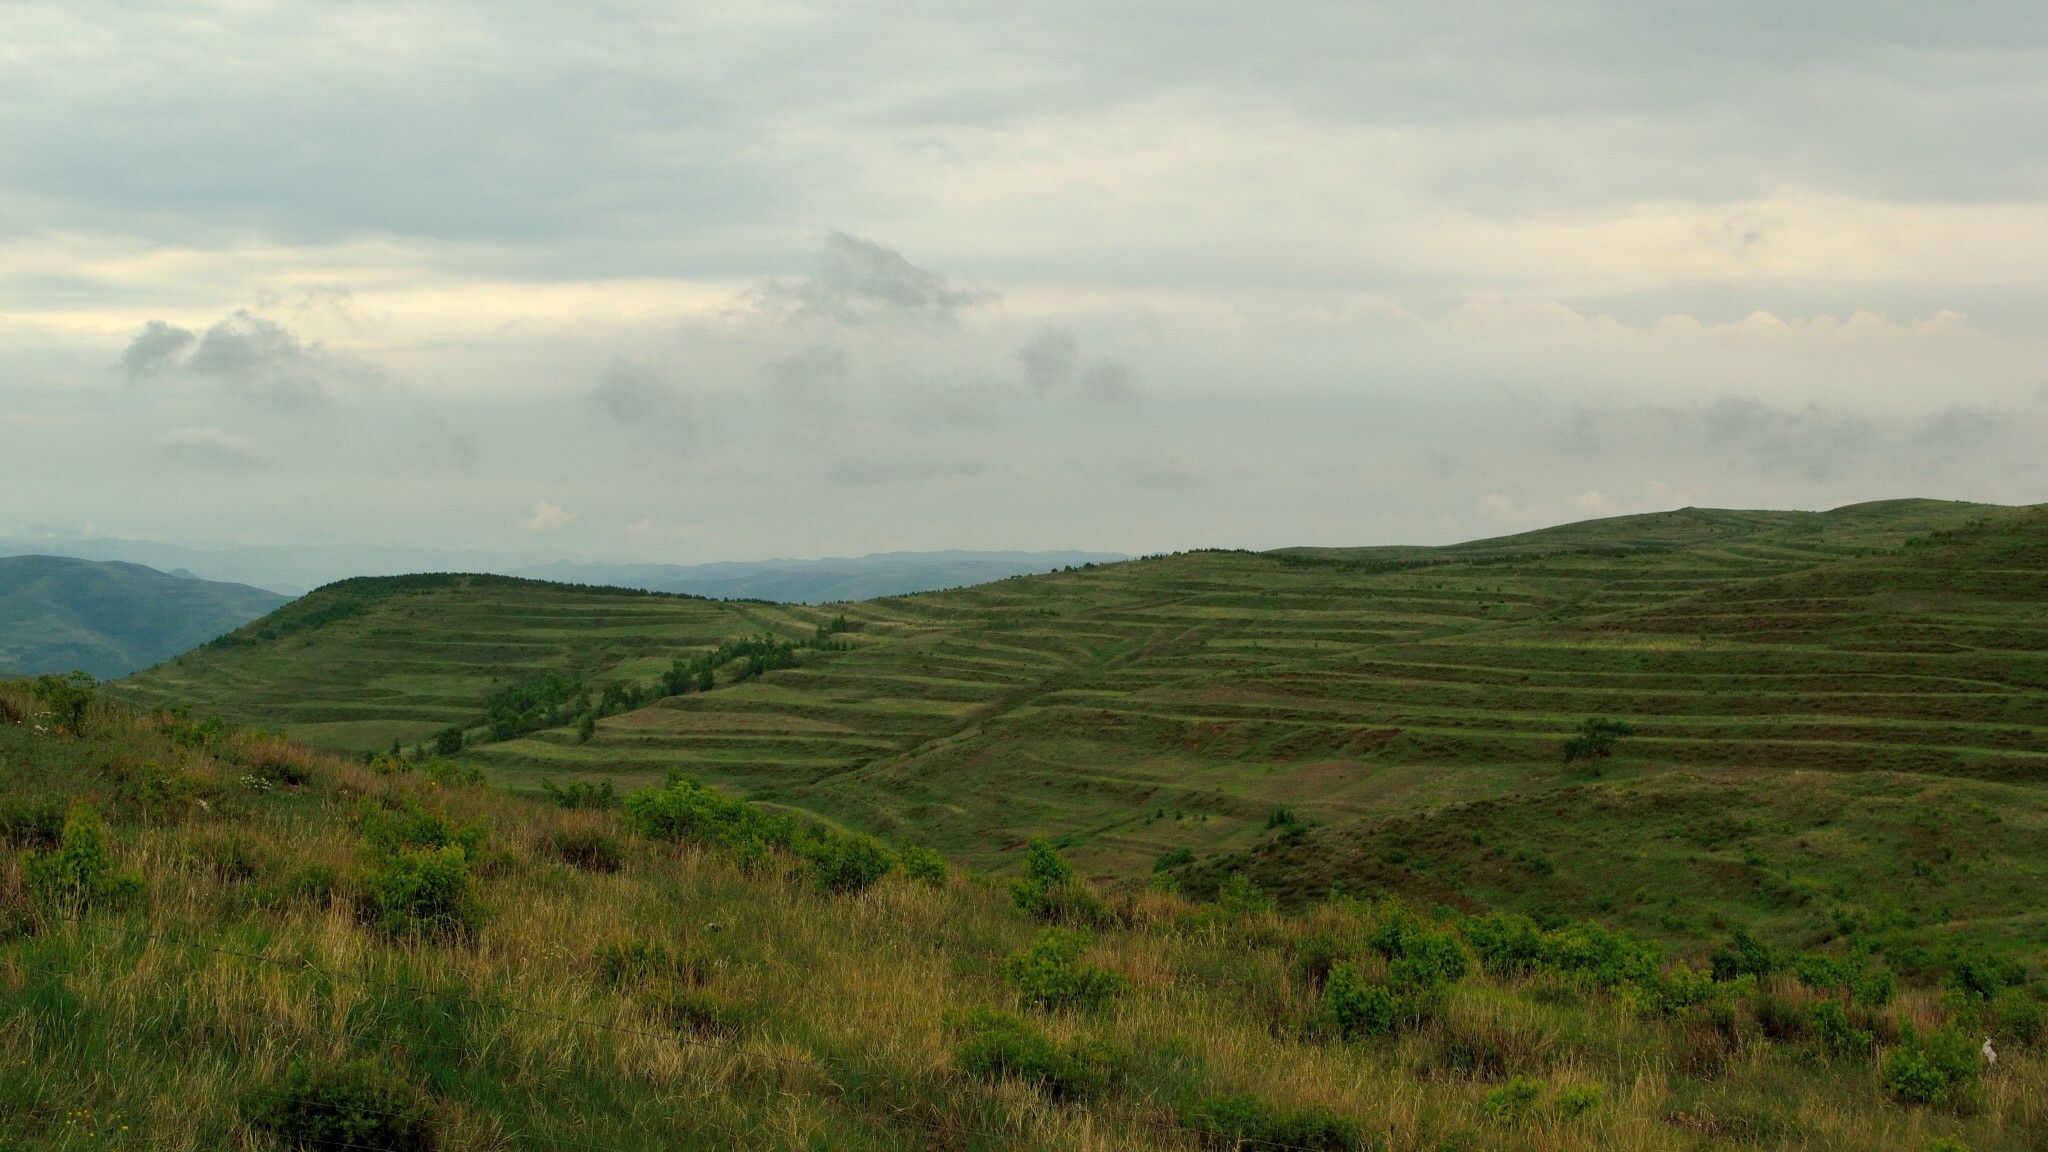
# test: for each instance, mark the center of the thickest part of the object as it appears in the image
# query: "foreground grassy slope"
(253, 989)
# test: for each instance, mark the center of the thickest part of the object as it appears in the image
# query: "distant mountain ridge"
(58, 613)
(294, 569)
(823, 581)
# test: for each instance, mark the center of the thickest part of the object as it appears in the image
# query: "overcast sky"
(721, 280)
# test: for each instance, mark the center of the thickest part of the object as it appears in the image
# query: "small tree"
(586, 727)
(68, 697)
(448, 741)
(80, 872)
(1596, 739)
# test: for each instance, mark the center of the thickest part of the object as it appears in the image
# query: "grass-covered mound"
(217, 939)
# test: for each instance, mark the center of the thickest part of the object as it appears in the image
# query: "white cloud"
(545, 517)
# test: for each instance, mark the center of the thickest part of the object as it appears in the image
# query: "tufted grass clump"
(356, 1105)
(1244, 1121)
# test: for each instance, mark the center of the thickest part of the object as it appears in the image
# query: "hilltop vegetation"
(58, 614)
(212, 938)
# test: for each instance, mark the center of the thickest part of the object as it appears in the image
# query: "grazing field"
(1800, 688)
(215, 939)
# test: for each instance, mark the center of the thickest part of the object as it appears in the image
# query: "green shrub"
(448, 741)
(1946, 1144)
(1418, 954)
(1743, 955)
(1513, 1102)
(586, 848)
(1506, 945)
(998, 1046)
(846, 862)
(69, 697)
(1356, 1007)
(1239, 897)
(1576, 1101)
(1173, 858)
(357, 1106)
(1823, 974)
(2015, 1015)
(1834, 1034)
(1051, 893)
(1978, 978)
(1246, 1122)
(1941, 1068)
(406, 825)
(423, 891)
(683, 809)
(581, 794)
(312, 884)
(32, 821)
(1595, 739)
(1050, 973)
(923, 865)
(1872, 988)
(79, 873)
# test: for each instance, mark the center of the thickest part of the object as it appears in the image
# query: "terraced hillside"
(360, 663)
(1174, 703)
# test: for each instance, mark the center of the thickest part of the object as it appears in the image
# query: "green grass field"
(1385, 697)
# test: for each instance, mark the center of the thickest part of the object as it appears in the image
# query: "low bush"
(685, 810)
(2015, 1015)
(423, 891)
(923, 865)
(311, 884)
(1050, 973)
(356, 1105)
(1356, 1007)
(1938, 1068)
(69, 698)
(581, 793)
(1835, 1036)
(35, 821)
(1514, 1102)
(79, 872)
(406, 826)
(846, 862)
(1743, 955)
(589, 849)
(1240, 897)
(1244, 1121)
(1051, 893)
(995, 1046)
(1576, 1100)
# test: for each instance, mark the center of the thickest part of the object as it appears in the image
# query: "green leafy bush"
(1834, 1034)
(407, 825)
(683, 809)
(1595, 739)
(1356, 1007)
(586, 848)
(1513, 1102)
(1051, 893)
(355, 1105)
(1240, 897)
(1507, 945)
(1173, 858)
(1051, 974)
(423, 891)
(1941, 1068)
(1743, 955)
(999, 1046)
(846, 862)
(1576, 1100)
(69, 697)
(923, 865)
(79, 873)
(2015, 1015)
(35, 821)
(1244, 1121)
(581, 794)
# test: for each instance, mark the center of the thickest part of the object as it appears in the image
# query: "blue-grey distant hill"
(58, 613)
(821, 581)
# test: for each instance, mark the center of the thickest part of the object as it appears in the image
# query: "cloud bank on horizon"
(726, 280)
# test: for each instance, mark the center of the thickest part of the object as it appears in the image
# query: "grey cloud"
(628, 392)
(887, 470)
(263, 358)
(155, 349)
(1050, 357)
(1107, 383)
(1810, 441)
(207, 448)
(1956, 428)
(860, 282)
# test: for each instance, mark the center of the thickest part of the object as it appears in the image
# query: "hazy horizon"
(680, 285)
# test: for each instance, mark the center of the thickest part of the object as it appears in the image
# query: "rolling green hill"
(110, 619)
(1175, 703)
